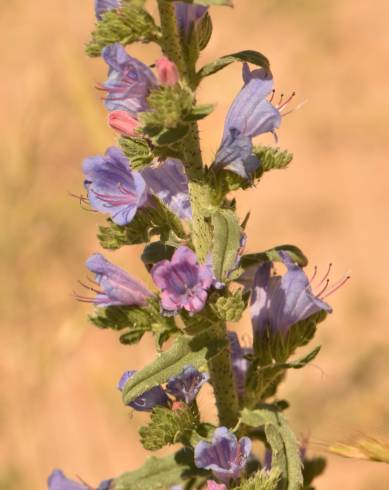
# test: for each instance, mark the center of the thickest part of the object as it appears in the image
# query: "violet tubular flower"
(102, 6)
(129, 81)
(184, 282)
(187, 384)
(278, 302)
(240, 364)
(114, 188)
(117, 288)
(188, 15)
(225, 455)
(58, 481)
(149, 399)
(170, 184)
(250, 115)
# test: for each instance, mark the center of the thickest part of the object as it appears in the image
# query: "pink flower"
(212, 485)
(167, 71)
(122, 122)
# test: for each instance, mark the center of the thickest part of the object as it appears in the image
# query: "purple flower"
(113, 187)
(129, 81)
(58, 481)
(169, 182)
(250, 115)
(188, 15)
(184, 283)
(102, 6)
(149, 399)
(278, 302)
(240, 364)
(116, 286)
(225, 455)
(186, 385)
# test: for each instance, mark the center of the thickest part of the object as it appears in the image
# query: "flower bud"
(122, 122)
(167, 71)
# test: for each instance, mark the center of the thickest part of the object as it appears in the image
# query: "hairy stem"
(220, 367)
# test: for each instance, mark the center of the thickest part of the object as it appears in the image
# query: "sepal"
(271, 158)
(127, 24)
(148, 222)
(262, 480)
(272, 255)
(136, 321)
(137, 150)
(230, 308)
(169, 426)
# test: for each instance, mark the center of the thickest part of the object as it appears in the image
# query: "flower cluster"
(154, 188)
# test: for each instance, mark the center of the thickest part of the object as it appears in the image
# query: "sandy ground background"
(59, 405)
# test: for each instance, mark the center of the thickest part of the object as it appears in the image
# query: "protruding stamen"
(89, 288)
(325, 287)
(336, 286)
(281, 105)
(272, 95)
(326, 274)
(314, 274)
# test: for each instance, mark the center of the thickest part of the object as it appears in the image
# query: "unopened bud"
(167, 71)
(122, 122)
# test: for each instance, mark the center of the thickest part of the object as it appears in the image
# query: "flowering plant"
(155, 189)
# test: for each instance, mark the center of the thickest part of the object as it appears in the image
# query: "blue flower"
(117, 287)
(278, 302)
(149, 399)
(113, 187)
(129, 81)
(186, 385)
(102, 6)
(170, 184)
(58, 481)
(184, 282)
(225, 455)
(250, 115)
(188, 15)
(240, 364)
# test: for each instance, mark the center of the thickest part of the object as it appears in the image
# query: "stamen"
(325, 287)
(280, 101)
(89, 288)
(326, 275)
(299, 106)
(272, 95)
(313, 275)
(281, 105)
(335, 287)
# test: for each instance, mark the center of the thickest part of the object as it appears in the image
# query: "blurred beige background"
(59, 404)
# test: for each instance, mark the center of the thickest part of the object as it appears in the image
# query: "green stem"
(220, 367)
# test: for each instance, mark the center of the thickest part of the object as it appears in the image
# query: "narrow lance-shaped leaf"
(248, 56)
(156, 473)
(285, 449)
(185, 351)
(227, 235)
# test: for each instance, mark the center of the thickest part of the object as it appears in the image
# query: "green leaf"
(262, 480)
(128, 24)
(168, 426)
(272, 158)
(156, 473)
(285, 449)
(200, 112)
(137, 150)
(272, 255)
(185, 350)
(300, 363)
(248, 56)
(227, 234)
